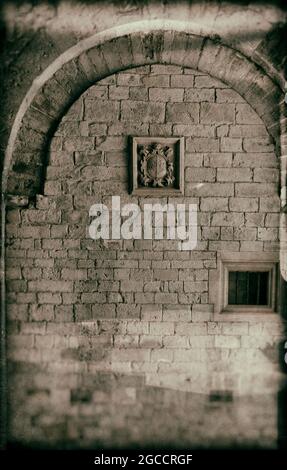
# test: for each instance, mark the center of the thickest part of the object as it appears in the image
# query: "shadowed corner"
(2, 82)
(282, 394)
(2, 30)
(3, 379)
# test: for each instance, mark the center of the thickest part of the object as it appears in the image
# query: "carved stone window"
(157, 166)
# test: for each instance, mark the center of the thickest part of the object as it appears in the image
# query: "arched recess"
(103, 54)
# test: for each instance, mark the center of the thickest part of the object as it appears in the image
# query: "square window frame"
(254, 262)
(234, 268)
(134, 188)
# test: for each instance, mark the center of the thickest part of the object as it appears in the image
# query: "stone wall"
(34, 34)
(116, 342)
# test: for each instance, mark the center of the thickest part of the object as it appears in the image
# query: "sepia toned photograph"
(143, 227)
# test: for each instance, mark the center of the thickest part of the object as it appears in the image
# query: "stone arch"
(118, 49)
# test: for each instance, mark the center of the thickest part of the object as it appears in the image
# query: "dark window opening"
(248, 288)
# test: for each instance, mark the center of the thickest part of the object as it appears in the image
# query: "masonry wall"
(115, 342)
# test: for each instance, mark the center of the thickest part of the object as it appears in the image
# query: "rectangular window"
(247, 283)
(248, 288)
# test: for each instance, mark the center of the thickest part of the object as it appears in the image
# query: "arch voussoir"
(72, 78)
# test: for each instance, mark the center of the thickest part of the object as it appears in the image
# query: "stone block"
(185, 113)
(216, 113)
(141, 111)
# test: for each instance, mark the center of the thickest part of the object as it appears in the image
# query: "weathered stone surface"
(140, 111)
(211, 113)
(202, 144)
(231, 174)
(185, 113)
(198, 95)
(101, 111)
(118, 315)
(246, 115)
(244, 204)
(161, 94)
